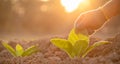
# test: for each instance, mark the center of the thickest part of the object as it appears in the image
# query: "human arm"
(94, 19)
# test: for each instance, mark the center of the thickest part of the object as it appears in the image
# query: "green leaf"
(83, 37)
(30, 51)
(94, 46)
(73, 37)
(9, 48)
(65, 45)
(19, 50)
(80, 47)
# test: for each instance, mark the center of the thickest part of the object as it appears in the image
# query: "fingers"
(89, 21)
(80, 29)
(84, 31)
(79, 25)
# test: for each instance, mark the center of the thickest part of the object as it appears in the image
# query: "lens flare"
(71, 5)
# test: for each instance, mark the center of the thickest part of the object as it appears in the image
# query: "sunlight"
(71, 5)
(44, 0)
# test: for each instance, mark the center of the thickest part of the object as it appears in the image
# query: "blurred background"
(20, 19)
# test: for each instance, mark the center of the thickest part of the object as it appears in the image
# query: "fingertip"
(81, 31)
(76, 30)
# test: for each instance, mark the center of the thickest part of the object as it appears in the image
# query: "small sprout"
(20, 52)
(9, 48)
(30, 51)
(96, 44)
(77, 45)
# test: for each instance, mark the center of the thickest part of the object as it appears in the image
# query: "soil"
(49, 54)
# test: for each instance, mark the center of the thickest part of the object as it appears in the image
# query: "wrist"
(111, 8)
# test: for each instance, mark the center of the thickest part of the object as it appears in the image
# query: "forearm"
(110, 9)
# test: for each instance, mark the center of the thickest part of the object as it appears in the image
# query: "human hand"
(89, 21)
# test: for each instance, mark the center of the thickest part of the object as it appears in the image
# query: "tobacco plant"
(19, 51)
(76, 45)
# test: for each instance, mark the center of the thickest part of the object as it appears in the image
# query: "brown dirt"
(49, 54)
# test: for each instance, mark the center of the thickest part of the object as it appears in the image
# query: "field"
(36, 22)
(49, 54)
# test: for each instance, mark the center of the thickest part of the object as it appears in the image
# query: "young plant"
(19, 50)
(77, 45)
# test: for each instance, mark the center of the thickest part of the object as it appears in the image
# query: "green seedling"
(19, 51)
(77, 45)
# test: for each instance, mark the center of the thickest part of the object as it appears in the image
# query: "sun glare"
(44, 0)
(71, 5)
